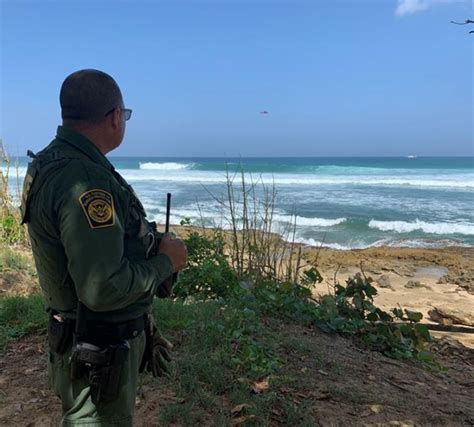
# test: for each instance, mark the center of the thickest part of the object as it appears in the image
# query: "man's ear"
(116, 118)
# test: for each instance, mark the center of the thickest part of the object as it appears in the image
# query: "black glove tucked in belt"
(157, 351)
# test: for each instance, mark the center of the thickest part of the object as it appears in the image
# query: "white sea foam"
(426, 227)
(213, 211)
(166, 166)
(180, 173)
(399, 243)
(420, 243)
(318, 243)
(304, 221)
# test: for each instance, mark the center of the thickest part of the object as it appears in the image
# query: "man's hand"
(176, 250)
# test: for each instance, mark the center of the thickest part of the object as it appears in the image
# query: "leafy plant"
(352, 310)
(208, 274)
(349, 310)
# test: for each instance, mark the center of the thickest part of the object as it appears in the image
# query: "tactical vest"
(44, 163)
(138, 230)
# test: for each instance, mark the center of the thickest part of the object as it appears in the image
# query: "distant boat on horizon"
(411, 156)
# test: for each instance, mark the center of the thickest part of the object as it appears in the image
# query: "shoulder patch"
(98, 205)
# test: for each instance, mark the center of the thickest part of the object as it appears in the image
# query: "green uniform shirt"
(88, 232)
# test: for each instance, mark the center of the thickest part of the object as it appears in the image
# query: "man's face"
(117, 126)
(123, 124)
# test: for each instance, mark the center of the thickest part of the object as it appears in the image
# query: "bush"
(208, 274)
(352, 310)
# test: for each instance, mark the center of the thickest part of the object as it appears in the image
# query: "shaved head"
(88, 95)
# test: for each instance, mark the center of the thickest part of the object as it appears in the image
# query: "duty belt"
(111, 332)
(101, 333)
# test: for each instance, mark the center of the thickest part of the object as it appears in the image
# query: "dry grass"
(259, 247)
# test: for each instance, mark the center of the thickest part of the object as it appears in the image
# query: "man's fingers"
(165, 354)
(161, 341)
(163, 365)
(176, 250)
(161, 356)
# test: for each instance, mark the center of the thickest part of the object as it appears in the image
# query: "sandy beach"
(416, 279)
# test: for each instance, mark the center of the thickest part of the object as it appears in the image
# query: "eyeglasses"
(127, 113)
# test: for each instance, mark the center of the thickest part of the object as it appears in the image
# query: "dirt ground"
(332, 377)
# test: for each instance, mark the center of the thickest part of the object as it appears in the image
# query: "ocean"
(337, 202)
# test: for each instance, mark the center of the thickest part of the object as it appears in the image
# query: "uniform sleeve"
(91, 221)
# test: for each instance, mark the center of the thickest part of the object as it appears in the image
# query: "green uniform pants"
(77, 405)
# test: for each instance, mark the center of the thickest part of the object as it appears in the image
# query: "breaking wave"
(303, 221)
(397, 243)
(426, 227)
(184, 174)
(166, 166)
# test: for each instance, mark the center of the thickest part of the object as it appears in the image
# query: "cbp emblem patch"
(98, 205)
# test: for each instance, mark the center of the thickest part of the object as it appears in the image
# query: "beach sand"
(415, 279)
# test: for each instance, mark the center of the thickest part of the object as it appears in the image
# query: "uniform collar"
(83, 144)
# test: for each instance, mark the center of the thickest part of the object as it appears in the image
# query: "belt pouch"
(59, 334)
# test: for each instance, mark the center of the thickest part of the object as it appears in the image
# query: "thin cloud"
(408, 7)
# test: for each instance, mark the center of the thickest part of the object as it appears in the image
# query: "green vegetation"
(20, 316)
(11, 230)
(349, 310)
(352, 310)
(208, 274)
(13, 260)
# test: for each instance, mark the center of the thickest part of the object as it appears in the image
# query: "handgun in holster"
(101, 366)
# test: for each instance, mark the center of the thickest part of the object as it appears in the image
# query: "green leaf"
(423, 332)
(414, 316)
(424, 356)
(398, 312)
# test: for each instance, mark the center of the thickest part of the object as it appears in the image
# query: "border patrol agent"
(91, 244)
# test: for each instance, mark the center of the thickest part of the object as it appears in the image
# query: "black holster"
(100, 353)
(102, 367)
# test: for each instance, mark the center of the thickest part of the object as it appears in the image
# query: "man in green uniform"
(96, 255)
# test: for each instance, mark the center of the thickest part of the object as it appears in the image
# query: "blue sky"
(338, 78)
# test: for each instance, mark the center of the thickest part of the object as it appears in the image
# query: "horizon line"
(295, 157)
